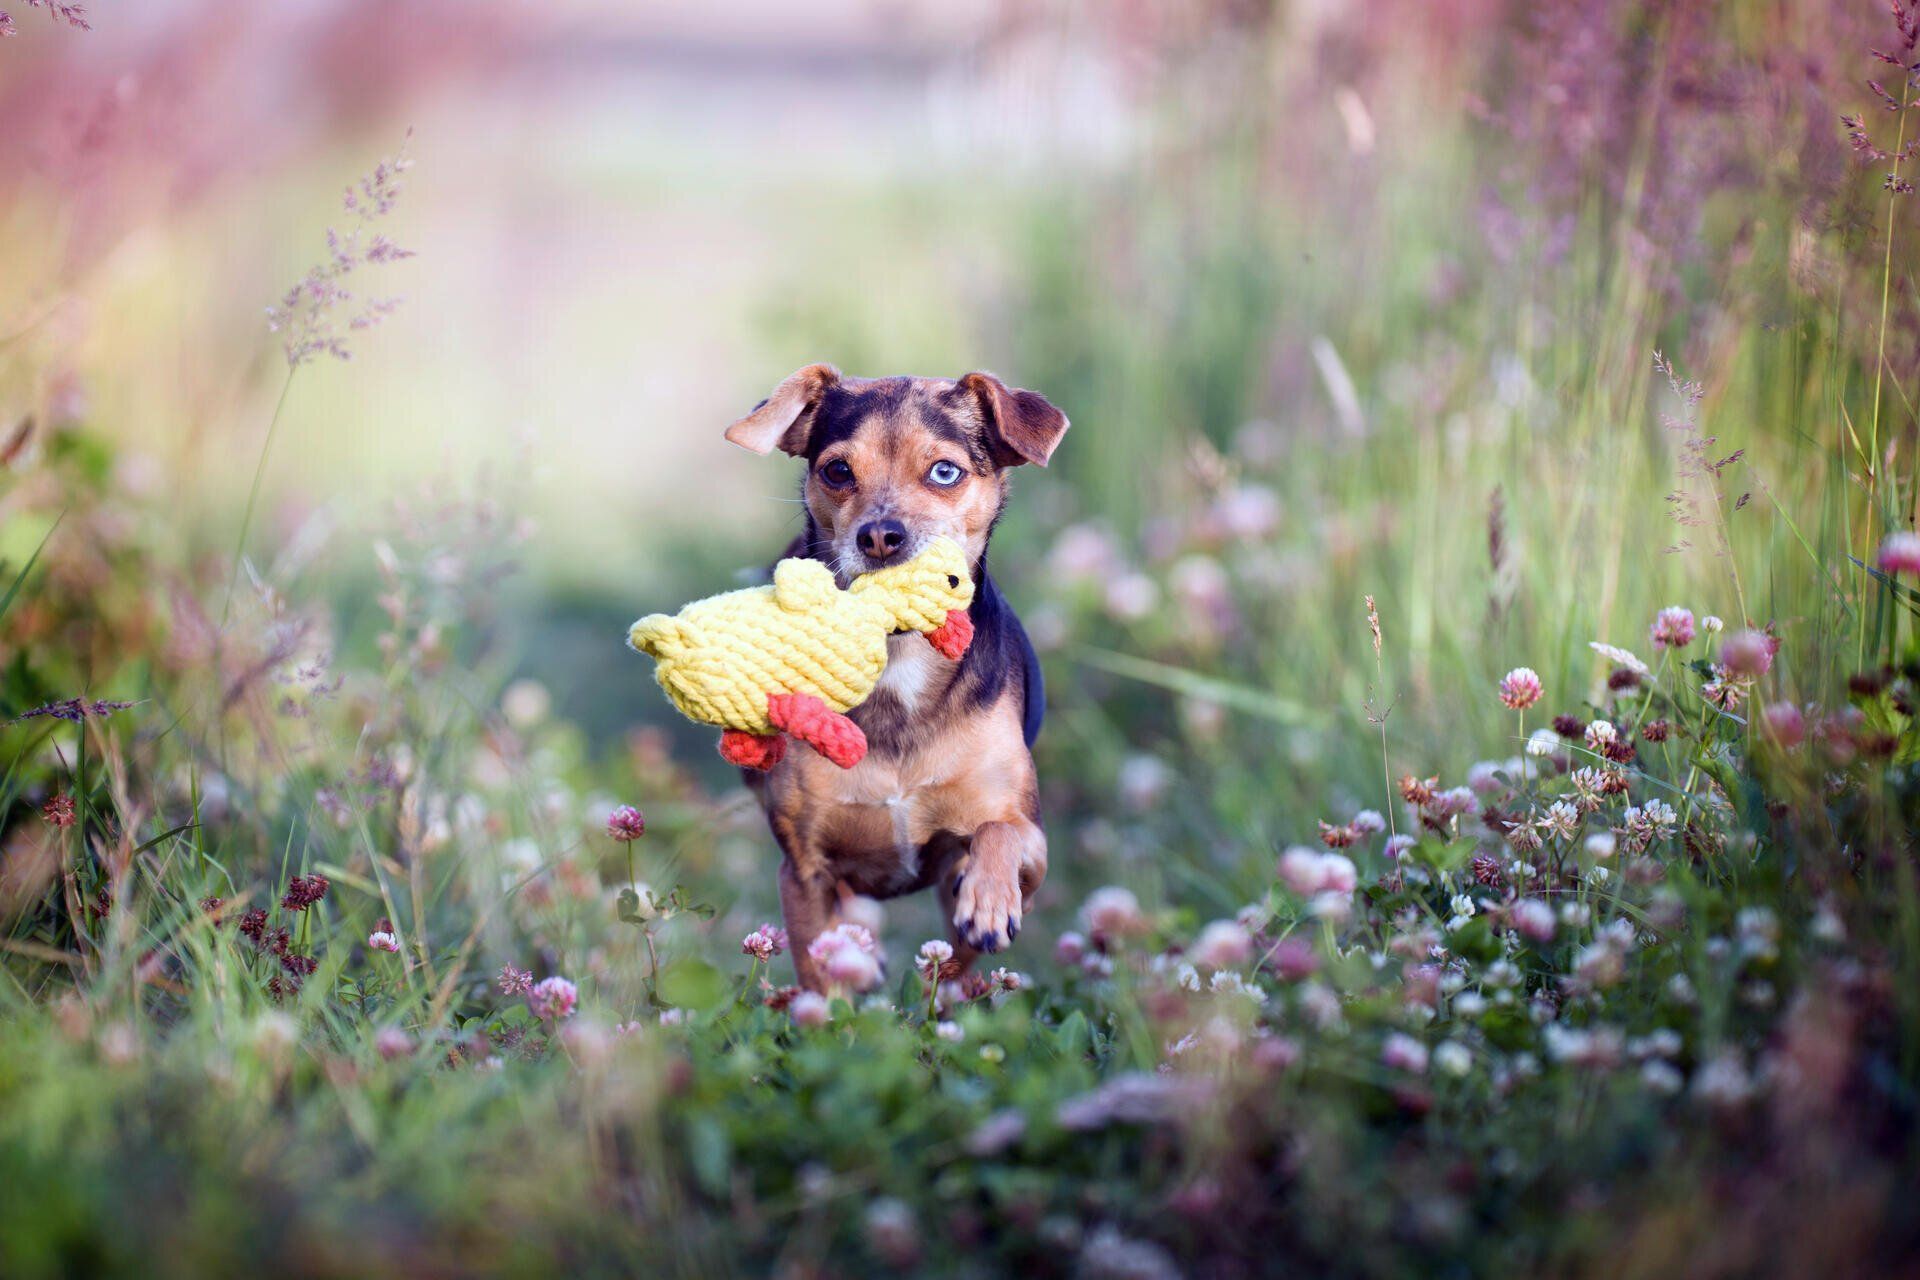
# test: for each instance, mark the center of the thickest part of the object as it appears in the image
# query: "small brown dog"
(946, 794)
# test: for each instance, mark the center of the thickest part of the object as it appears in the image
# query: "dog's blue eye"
(944, 473)
(837, 473)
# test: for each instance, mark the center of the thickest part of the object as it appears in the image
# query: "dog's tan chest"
(913, 669)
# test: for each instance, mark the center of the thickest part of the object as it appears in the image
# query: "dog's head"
(894, 462)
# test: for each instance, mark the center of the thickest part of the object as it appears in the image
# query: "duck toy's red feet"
(752, 750)
(819, 726)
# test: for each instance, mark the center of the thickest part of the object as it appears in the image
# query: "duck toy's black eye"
(952, 581)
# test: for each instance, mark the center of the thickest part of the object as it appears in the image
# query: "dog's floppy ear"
(785, 418)
(1021, 425)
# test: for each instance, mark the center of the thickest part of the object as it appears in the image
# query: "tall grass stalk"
(253, 493)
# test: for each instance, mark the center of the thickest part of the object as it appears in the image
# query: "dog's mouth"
(849, 561)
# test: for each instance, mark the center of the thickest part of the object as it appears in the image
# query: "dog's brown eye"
(945, 474)
(837, 473)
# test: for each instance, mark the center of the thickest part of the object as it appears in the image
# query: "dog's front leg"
(807, 904)
(994, 881)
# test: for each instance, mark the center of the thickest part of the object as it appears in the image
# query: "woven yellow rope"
(720, 658)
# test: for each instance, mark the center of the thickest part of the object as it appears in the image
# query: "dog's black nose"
(879, 539)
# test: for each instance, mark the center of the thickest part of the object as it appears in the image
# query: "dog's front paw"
(986, 906)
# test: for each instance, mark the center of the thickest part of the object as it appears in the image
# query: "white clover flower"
(1600, 733)
(1369, 822)
(1503, 973)
(1599, 965)
(1601, 845)
(1303, 870)
(1723, 1081)
(932, 955)
(1341, 875)
(1462, 905)
(1662, 1078)
(1533, 918)
(1469, 1004)
(1402, 1052)
(1112, 911)
(1560, 821)
(1453, 1058)
(1664, 1042)
(1321, 1005)
(1620, 657)
(1223, 944)
(950, 1031)
(1543, 742)
(1229, 983)
(1712, 625)
(1336, 908)
(1759, 933)
(1598, 1046)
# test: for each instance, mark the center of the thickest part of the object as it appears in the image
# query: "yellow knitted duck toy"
(793, 656)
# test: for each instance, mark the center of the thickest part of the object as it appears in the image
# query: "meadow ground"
(1477, 598)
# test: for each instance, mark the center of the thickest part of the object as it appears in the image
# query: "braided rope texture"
(720, 659)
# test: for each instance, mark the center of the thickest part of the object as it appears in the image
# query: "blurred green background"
(1343, 300)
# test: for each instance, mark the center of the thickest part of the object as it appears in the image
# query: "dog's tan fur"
(948, 794)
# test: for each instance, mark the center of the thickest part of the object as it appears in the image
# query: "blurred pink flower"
(1673, 628)
(1307, 872)
(1900, 553)
(1520, 688)
(1533, 919)
(626, 823)
(847, 956)
(1224, 944)
(1403, 1053)
(1293, 959)
(1785, 724)
(1111, 911)
(1748, 654)
(553, 998)
(808, 1009)
(383, 940)
(764, 943)
(513, 982)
